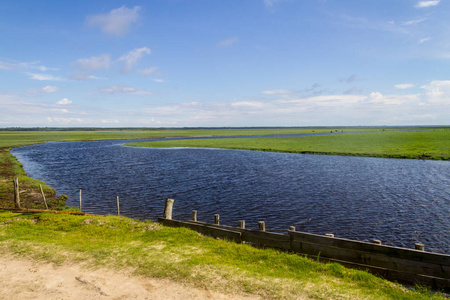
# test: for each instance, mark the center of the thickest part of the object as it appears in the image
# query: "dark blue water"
(397, 201)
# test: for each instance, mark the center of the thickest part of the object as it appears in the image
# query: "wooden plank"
(394, 275)
(263, 238)
(411, 254)
(355, 254)
(205, 229)
(268, 239)
(371, 258)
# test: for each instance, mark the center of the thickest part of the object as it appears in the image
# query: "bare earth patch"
(27, 279)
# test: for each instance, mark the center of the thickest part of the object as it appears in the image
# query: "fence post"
(194, 215)
(291, 228)
(118, 206)
(241, 224)
(262, 225)
(419, 246)
(80, 200)
(43, 197)
(168, 209)
(217, 219)
(16, 192)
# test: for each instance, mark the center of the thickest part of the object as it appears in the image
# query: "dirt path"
(26, 279)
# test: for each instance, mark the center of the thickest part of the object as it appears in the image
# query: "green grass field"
(431, 144)
(185, 256)
(20, 138)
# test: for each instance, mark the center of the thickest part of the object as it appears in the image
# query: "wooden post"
(194, 215)
(262, 225)
(291, 228)
(168, 209)
(419, 246)
(118, 206)
(16, 192)
(80, 200)
(217, 219)
(43, 197)
(378, 242)
(241, 224)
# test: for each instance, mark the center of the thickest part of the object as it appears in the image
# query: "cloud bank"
(117, 22)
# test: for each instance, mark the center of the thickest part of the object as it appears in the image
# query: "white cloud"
(248, 104)
(87, 65)
(437, 92)
(404, 86)
(423, 117)
(81, 76)
(16, 65)
(45, 90)
(228, 42)
(325, 99)
(147, 72)
(43, 77)
(422, 4)
(49, 89)
(116, 89)
(64, 101)
(17, 112)
(276, 92)
(132, 58)
(412, 22)
(94, 63)
(277, 108)
(421, 41)
(64, 121)
(378, 98)
(159, 80)
(117, 22)
(110, 121)
(60, 110)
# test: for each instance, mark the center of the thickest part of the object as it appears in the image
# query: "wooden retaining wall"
(409, 266)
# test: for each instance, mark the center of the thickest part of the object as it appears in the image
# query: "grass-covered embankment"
(430, 144)
(183, 255)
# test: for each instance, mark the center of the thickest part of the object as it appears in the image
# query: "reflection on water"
(399, 202)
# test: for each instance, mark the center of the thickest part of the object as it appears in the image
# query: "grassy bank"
(183, 255)
(404, 144)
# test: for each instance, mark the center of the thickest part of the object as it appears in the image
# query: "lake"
(397, 201)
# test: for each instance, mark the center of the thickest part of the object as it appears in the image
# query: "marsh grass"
(430, 144)
(149, 249)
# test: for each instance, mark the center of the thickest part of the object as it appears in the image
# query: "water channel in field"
(397, 201)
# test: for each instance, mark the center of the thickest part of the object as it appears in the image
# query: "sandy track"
(26, 279)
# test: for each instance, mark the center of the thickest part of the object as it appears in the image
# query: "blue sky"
(174, 63)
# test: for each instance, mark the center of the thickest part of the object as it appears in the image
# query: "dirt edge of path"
(23, 278)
